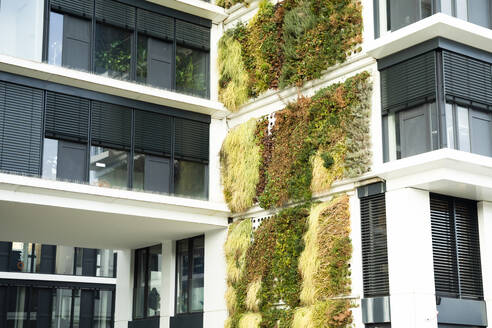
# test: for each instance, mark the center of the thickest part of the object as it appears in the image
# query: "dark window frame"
(146, 279)
(190, 275)
(457, 239)
(135, 31)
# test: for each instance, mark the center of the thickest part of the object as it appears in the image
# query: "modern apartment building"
(111, 205)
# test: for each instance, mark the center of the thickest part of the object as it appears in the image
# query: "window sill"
(57, 278)
(437, 25)
(444, 171)
(196, 7)
(102, 84)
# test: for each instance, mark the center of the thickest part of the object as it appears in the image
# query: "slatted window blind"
(84, 8)
(111, 125)
(21, 112)
(115, 13)
(192, 35)
(467, 78)
(374, 245)
(456, 248)
(155, 25)
(409, 83)
(191, 139)
(67, 117)
(153, 133)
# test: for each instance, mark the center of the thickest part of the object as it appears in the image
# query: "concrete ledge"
(437, 25)
(98, 83)
(196, 7)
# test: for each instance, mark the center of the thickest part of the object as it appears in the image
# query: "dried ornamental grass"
(303, 318)
(235, 248)
(250, 320)
(252, 300)
(230, 297)
(233, 82)
(240, 162)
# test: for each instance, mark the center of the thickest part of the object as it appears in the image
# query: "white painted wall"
(124, 289)
(485, 234)
(410, 262)
(218, 132)
(215, 311)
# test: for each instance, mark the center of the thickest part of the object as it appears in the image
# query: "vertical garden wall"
(285, 45)
(293, 271)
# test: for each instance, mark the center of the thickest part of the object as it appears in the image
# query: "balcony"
(143, 43)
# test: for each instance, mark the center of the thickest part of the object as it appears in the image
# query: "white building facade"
(111, 205)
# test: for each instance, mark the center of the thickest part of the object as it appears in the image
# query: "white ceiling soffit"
(199, 8)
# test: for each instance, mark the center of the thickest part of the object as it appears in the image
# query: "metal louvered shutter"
(115, 13)
(192, 35)
(111, 125)
(155, 25)
(84, 8)
(191, 139)
(67, 117)
(409, 83)
(467, 78)
(374, 245)
(21, 112)
(152, 133)
(456, 249)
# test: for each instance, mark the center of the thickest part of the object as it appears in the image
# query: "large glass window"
(190, 257)
(103, 309)
(147, 295)
(113, 51)
(25, 257)
(191, 179)
(469, 129)
(191, 71)
(21, 26)
(130, 43)
(109, 167)
(403, 13)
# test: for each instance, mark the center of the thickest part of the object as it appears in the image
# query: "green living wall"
(285, 45)
(314, 142)
(293, 271)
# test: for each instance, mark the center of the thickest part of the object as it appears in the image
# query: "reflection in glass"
(140, 258)
(463, 128)
(198, 271)
(138, 171)
(25, 257)
(64, 259)
(78, 261)
(191, 71)
(142, 53)
(447, 7)
(109, 167)
(462, 9)
(191, 179)
(62, 306)
(17, 307)
(56, 39)
(113, 51)
(103, 308)
(21, 26)
(155, 269)
(182, 283)
(76, 308)
(50, 157)
(105, 263)
(449, 125)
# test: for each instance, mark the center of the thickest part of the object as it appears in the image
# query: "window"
(21, 23)
(469, 129)
(391, 15)
(25, 257)
(190, 256)
(144, 147)
(374, 245)
(147, 293)
(456, 248)
(145, 44)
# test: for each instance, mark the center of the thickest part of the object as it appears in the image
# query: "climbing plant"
(314, 142)
(287, 44)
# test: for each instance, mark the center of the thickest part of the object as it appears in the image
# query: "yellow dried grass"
(252, 300)
(303, 318)
(230, 297)
(231, 67)
(250, 320)
(323, 178)
(237, 243)
(240, 162)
